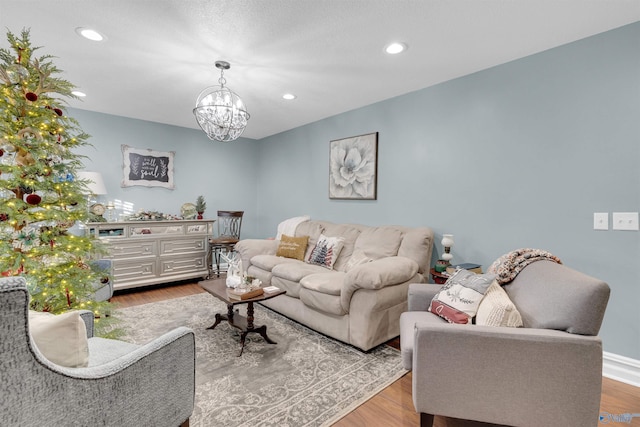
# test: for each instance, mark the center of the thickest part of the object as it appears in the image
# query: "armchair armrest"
(157, 379)
(561, 373)
(376, 275)
(420, 295)
(248, 248)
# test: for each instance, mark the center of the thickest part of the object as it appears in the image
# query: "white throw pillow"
(459, 298)
(496, 309)
(61, 338)
(326, 251)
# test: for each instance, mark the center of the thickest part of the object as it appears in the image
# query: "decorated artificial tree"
(40, 199)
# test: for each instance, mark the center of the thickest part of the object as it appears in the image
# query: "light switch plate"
(625, 221)
(601, 221)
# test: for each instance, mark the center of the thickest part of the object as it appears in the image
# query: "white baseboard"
(621, 368)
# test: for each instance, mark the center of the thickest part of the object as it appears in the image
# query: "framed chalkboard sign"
(147, 167)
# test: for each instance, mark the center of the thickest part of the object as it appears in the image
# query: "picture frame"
(147, 167)
(353, 167)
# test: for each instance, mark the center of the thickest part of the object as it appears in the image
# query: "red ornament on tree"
(33, 199)
(31, 96)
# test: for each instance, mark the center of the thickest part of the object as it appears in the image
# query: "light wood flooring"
(393, 406)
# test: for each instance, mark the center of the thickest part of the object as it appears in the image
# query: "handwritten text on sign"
(148, 168)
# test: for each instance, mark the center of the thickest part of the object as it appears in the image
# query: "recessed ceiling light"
(79, 94)
(90, 34)
(395, 48)
(288, 96)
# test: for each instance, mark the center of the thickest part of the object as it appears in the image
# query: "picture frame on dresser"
(353, 167)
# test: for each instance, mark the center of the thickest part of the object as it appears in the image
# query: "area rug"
(306, 379)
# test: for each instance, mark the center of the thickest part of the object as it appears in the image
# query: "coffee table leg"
(221, 317)
(262, 330)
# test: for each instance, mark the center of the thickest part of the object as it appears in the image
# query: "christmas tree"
(40, 199)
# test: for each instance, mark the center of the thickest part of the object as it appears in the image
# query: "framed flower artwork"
(353, 167)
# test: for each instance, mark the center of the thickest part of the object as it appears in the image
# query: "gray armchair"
(547, 373)
(124, 385)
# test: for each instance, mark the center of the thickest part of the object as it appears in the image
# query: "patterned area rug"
(307, 379)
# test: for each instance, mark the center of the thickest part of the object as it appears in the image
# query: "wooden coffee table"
(218, 289)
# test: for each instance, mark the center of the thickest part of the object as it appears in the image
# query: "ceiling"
(159, 54)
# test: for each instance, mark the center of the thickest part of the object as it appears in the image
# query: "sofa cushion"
(322, 292)
(269, 262)
(287, 276)
(496, 309)
(326, 283)
(313, 229)
(379, 242)
(326, 251)
(292, 247)
(61, 338)
(349, 234)
(459, 298)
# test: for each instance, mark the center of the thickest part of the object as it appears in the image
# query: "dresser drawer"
(128, 249)
(182, 246)
(180, 265)
(124, 271)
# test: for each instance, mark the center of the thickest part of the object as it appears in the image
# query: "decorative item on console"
(201, 206)
(143, 215)
(235, 273)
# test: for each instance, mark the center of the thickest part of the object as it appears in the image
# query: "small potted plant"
(201, 206)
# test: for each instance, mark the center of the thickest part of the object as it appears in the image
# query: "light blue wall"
(222, 173)
(520, 155)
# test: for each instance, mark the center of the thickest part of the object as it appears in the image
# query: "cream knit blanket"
(507, 267)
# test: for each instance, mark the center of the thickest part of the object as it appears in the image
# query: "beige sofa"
(357, 304)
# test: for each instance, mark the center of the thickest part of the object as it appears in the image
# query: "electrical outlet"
(601, 221)
(625, 221)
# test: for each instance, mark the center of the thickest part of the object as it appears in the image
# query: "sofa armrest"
(376, 275)
(382, 272)
(248, 248)
(488, 368)
(420, 295)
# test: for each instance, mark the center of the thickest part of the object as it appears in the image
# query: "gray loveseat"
(357, 304)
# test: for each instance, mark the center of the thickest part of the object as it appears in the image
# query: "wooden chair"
(229, 224)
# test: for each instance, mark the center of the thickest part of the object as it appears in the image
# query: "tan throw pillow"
(61, 338)
(459, 298)
(496, 309)
(292, 247)
(326, 251)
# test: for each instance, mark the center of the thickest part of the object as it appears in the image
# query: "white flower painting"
(353, 167)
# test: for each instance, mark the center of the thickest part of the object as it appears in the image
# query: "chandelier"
(219, 111)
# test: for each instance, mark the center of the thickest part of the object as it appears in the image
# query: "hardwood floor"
(393, 406)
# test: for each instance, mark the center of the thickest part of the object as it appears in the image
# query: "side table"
(437, 277)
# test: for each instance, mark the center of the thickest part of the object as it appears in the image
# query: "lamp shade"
(96, 183)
